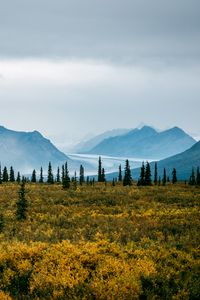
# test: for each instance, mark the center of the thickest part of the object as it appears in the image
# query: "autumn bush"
(100, 242)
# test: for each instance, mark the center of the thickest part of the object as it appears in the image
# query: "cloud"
(122, 31)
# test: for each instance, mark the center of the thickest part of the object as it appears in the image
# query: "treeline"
(62, 176)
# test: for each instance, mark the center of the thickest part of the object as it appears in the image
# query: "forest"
(99, 240)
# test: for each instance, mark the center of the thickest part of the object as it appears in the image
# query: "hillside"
(146, 143)
(26, 151)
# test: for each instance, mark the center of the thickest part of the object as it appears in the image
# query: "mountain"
(145, 143)
(183, 162)
(86, 146)
(26, 151)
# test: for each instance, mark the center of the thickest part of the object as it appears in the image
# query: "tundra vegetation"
(100, 241)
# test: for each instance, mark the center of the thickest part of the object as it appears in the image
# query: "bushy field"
(100, 242)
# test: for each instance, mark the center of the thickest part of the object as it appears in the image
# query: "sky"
(73, 68)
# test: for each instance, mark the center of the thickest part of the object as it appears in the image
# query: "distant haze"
(69, 68)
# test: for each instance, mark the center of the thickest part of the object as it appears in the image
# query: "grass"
(123, 242)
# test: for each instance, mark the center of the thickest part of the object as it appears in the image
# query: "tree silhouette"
(50, 179)
(127, 180)
(174, 176)
(81, 175)
(33, 177)
(156, 174)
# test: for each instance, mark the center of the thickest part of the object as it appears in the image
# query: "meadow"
(100, 242)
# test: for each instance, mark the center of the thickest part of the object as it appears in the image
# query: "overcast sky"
(69, 68)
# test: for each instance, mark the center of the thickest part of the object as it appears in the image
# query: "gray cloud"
(118, 30)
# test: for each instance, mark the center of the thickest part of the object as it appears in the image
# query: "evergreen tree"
(33, 177)
(22, 204)
(12, 175)
(127, 180)
(156, 174)
(174, 176)
(63, 174)
(147, 177)
(120, 173)
(103, 177)
(66, 179)
(164, 180)
(192, 180)
(159, 180)
(93, 181)
(5, 175)
(58, 175)
(18, 179)
(0, 175)
(141, 180)
(41, 179)
(168, 179)
(50, 179)
(88, 180)
(100, 170)
(198, 176)
(113, 182)
(81, 175)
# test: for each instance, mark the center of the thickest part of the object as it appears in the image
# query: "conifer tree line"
(62, 176)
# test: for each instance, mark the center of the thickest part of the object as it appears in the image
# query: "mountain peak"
(147, 128)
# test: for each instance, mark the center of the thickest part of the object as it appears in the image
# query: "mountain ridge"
(146, 142)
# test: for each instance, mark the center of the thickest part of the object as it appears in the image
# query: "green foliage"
(101, 242)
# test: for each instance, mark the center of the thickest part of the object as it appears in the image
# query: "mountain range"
(26, 151)
(183, 162)
(145, 143)
(86, 146)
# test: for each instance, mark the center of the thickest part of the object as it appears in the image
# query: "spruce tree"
(147, 178)
(103, 177)
(192, 180)
(198, 176)
(12, 175)
(164, 179)
(58, 175)
(127, 180)
(156, 174)
(99, 170)
(141, 180)
(50, 179)
(33, 177)
(88, 180)
(174, 176)
(66, 178)
(22, 204)
(81, 175)
(5, 175)
(120, 173)
(18, 179)
(41, 179)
